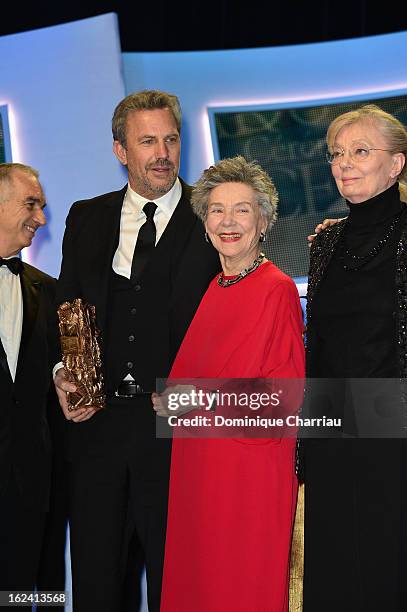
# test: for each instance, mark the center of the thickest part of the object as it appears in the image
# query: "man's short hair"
(148, 99)
(7, 170)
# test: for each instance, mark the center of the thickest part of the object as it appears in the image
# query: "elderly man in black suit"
(139, 255)
(27, 350)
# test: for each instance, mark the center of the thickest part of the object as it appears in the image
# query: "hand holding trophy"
(81, 355)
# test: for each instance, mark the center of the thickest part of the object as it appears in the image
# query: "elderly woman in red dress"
(232, 500)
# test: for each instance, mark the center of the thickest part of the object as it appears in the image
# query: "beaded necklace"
(232, 281)
(362, 260)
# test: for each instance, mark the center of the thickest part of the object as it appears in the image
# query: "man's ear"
(120, 152)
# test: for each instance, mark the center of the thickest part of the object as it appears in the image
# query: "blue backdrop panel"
(61, 85)
(5, 144)
(289, 142)
(277, 75)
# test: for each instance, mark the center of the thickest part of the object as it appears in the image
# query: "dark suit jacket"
(24, 435)
(164, 314)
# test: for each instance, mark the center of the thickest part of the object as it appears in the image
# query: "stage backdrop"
(5, 145)
(60, 85)
(274, 105)
(289, 142)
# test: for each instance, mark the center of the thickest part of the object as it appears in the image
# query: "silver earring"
(207, 238)
(262, 237)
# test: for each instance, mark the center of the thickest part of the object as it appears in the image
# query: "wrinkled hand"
(323, 226)
(174, 401)
(62, 385)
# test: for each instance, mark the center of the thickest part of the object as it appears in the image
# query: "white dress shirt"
(11, 316)
(133, 217)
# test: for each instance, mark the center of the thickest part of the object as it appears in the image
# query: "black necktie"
(14, 264)
(145, 242)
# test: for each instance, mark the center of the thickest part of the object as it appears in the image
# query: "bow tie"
(14, 264)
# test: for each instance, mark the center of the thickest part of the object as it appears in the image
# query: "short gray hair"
(7, 170)
(148, 99)
(236, 170)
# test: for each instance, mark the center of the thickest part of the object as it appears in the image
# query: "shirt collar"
(165, 204)
(6, 269)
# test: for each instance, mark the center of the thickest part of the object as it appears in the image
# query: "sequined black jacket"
(322, 250)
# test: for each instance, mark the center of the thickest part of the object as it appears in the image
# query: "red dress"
(232, 501)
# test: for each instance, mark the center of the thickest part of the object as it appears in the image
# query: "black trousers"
(133, 578)
(118, 492)
(51, 570)
(21, 531)
(355, 526)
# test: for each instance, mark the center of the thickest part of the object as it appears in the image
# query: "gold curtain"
(297, 556)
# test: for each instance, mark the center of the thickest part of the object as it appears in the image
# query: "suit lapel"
(177, 233)
(4, 362)
(108, 240)
(184, 222)
(31, 290)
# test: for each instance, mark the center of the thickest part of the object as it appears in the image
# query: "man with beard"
(139, 255)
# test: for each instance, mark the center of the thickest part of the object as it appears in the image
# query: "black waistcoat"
(137, 339)
(145, 322)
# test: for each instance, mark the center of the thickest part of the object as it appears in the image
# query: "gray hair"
(391, 129)
(236, 170)
(143, 100)
(7, 170)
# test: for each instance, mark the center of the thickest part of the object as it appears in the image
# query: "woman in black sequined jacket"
(356, 483)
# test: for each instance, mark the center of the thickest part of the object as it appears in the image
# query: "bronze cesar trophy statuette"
(81, 354)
